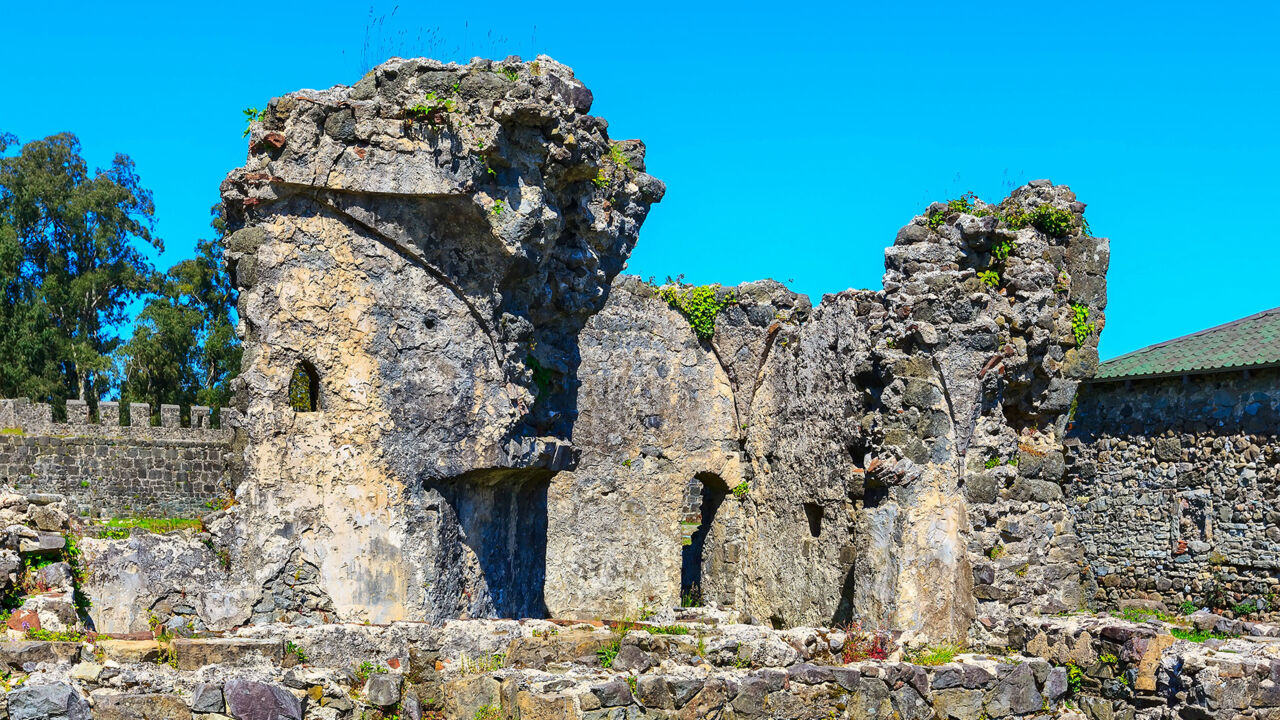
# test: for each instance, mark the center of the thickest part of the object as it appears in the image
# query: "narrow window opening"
(705, 494)
(304, 388)
(813, 511)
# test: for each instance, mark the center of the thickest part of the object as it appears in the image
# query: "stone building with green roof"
(1173, 470)
(1250, 343)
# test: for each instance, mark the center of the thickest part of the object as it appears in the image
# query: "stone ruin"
(523, 485)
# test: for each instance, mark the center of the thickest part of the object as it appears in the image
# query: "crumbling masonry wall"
(861, 433)
(1172, 483)
(431, 242)
(104, 468)
(501, 429)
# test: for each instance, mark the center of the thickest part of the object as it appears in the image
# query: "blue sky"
(793, 144)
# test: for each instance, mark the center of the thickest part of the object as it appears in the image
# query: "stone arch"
(704, 497)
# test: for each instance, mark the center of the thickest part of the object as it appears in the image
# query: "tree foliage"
(71, 261)
(184, 349)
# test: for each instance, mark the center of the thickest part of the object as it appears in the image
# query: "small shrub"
(963, 204)
(433, 109)
(669, 630)
(54, 635)
(1075, 676)
(741, 489)
(1247, 607)
(933, 654)
(295, 651)
(990, 278)
(1047, 219)
(608, 653)
(252, 115)
(1000, 250)
(692, 597)
(1198, 636)
(489, 712)
(996, 552)
(368, 668)
(1108, 659)
(1053, 222)
(481, 664)
(699, 304)
(541, 376)
(617, 158)
(1186, 607)
(861, 645)
(498, 207)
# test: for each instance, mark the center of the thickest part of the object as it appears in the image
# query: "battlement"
(106, 468)
(29, 418)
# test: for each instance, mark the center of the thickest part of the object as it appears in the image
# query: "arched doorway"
(705, 495)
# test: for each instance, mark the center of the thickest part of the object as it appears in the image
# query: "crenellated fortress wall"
(106, 468)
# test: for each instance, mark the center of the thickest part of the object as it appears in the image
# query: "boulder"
(251, 700)
(383, 689)
(207, 698)
(56, 701)
(1015, 692)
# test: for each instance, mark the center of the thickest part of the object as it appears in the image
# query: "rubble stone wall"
(107, 469)
(430, 242)
(1172, 483)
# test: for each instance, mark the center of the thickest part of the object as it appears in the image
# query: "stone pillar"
(170, 416)
(109, 414)
(229, 418)
(139, 415)
(39, 417)
(8, 414)
(77, 412)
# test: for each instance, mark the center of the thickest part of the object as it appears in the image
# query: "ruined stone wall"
(107, 469)
(429, 242)
(1173, 485)
(500, 430)
(857, 435)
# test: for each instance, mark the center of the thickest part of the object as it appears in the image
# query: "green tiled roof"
(1250, 342)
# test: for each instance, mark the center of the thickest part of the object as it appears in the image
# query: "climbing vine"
(1080, 325)
(699, 304)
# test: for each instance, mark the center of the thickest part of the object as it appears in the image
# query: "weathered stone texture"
(434, 266)
(854, 429)
(1173, 486)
